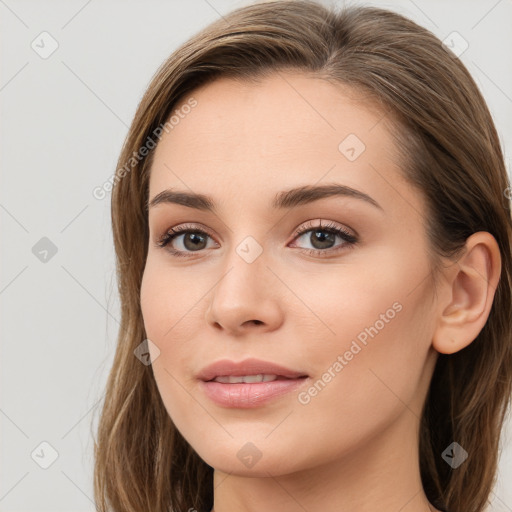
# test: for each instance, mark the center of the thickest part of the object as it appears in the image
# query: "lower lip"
(245, 396)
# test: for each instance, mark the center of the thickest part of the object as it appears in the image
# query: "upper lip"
(251, 366)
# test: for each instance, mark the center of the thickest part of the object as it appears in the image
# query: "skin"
(354, 445)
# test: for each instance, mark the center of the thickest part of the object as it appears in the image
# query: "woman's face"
(350, 313)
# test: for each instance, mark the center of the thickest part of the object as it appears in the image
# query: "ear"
(468, 292)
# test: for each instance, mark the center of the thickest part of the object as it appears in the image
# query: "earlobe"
(470, 287)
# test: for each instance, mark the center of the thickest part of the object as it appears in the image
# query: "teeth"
(249, 379)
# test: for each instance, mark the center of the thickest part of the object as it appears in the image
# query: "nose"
(246, 297)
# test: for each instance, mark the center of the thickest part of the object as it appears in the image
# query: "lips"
(249, 383)
(247, 367)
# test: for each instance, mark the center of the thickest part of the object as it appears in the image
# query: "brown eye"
(189, 238)
(323, 237)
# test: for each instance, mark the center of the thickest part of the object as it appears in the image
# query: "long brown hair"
(449, 149)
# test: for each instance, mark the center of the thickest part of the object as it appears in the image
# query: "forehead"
(286, 130)
(282, 111)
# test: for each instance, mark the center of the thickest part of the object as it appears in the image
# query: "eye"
(193, 239)
(323, 237)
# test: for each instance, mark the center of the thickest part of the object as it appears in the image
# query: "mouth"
(248, 383)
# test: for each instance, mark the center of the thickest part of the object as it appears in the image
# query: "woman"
(313, 240)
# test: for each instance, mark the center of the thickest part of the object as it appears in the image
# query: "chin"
(258, 459)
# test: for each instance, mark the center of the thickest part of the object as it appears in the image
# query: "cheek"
(377, 342)
(171, 310)
(353, 303)
(152, 302)
(167, 325)
(168, 299)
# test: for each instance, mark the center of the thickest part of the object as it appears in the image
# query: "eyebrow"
(283, 200)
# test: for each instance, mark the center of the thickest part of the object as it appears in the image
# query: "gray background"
(64, 119)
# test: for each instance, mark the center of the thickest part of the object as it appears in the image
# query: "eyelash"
(349, 239)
